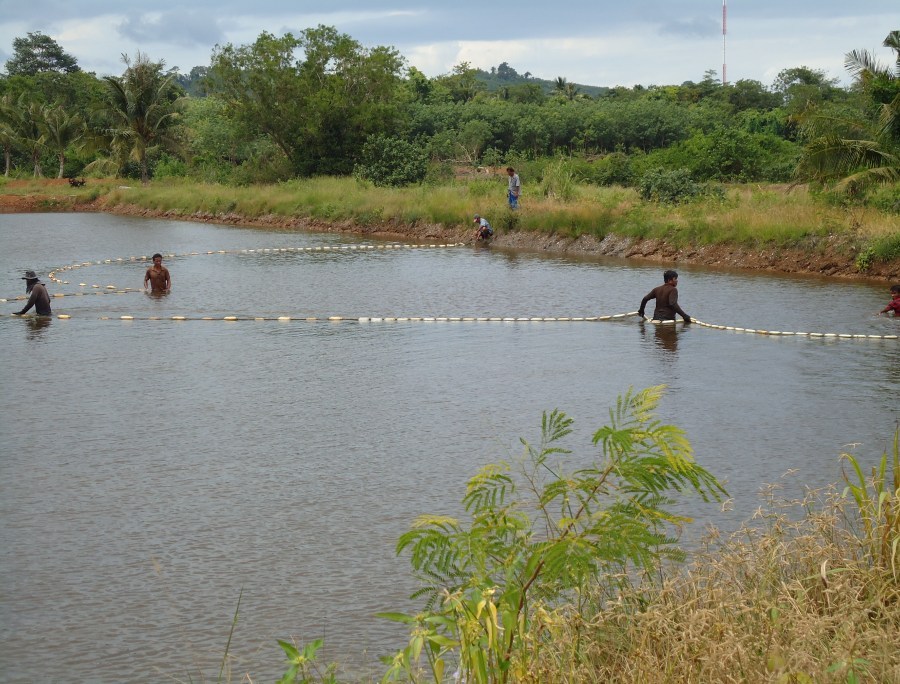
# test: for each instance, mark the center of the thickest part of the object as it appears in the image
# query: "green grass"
(748, 215)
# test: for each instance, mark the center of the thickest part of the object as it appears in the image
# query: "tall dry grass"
(747, 215)
(795, 596)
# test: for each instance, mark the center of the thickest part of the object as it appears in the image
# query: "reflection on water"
(664, 336)
(189, 460)
(36, 326)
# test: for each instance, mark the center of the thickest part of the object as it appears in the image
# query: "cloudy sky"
(592, 42)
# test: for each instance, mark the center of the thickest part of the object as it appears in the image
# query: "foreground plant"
(543, 539)
(805, 592)
(877, 512)
(303, 667)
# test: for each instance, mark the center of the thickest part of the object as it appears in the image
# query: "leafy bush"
(439, 173)
(612, 169)
(508, 222)
(492, 157)
(886, 198)
(878, 507)
(864, 259)
(660, 185)
(730, 155)
(393, 162)
(539, 540)
(881, 249)
(169, 167)
(266, 164)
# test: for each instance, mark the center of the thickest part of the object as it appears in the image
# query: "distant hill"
(499, 77)
(504, 76)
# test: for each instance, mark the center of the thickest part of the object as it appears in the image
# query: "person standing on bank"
(39, 298)
(666, 296)
(515, 187)
(158, 276)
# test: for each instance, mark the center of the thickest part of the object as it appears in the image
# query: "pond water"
(152, 470)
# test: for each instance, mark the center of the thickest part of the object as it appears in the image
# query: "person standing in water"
(894, 304)
(666, 296)
(39, 299)
(158, 276)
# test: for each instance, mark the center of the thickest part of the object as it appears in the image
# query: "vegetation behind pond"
(286, 126)
(755, 226)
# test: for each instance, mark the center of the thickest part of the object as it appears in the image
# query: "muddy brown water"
(152, 470)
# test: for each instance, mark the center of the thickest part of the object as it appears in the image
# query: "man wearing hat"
(39, 299)
(483, 231)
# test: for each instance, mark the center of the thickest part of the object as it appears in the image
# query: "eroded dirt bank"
(832, 256)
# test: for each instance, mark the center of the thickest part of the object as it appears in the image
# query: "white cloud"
(590, 42)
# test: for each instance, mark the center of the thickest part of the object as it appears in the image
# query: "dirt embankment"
(833, 256)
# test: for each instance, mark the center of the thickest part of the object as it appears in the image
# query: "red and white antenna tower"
(724, 31)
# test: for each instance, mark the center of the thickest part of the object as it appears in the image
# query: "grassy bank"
(748, 217)
(801, 594)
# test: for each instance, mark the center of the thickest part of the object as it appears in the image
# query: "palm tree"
(881, 83)
(29, 130)
(8, 137)
(60, 131)
(144, 110)
(565, 89)
(862, 149)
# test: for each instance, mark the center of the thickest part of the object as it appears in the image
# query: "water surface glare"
(153, 469)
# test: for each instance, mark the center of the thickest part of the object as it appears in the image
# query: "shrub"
(439, 173)
(169, 167)
(508, 221)
(540, 539)
(673, 187)
(614, 169)
(886, 198)
(492, 157)
(267, 164)
(391, 162)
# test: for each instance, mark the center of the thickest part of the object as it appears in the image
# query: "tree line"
(320, 103)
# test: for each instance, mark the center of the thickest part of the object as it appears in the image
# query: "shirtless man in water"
(158, 276)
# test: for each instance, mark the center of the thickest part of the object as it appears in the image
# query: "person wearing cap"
(39, 298)
(483, 231)
(666, 296)
(158, 276)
